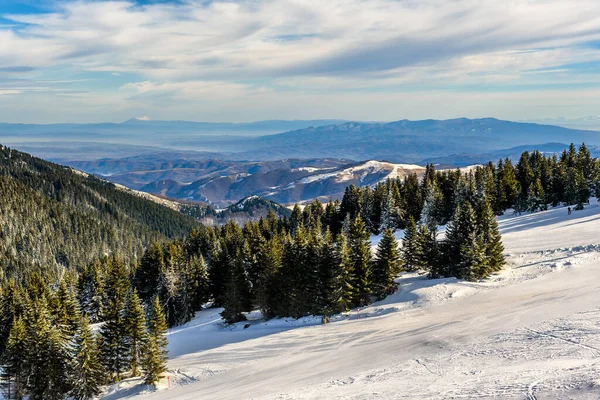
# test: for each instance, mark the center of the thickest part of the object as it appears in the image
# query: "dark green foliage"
(360, 259)
(410, 246)
(155, 354)
(88, 372)
(386, 266)
(340, 289)
(114, 346)
(134, 321)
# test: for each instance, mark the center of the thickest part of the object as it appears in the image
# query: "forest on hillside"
(316, 261)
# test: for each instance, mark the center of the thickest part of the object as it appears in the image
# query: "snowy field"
(529, 332)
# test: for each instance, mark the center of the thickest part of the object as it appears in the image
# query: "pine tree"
(410, 246)
(67, 315)
(270, 258)
(14, 366)
(155, 356)
(425, 255)
(88, 372)
(114, 349)
(360, 257)
(237, 293)
(134, 321)
(463, 248)
(582, 192)
(492, 240)
(386, 266)
(48, 356)
(197, 282)
(340, 285)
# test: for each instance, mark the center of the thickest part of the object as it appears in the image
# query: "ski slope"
(532, 331)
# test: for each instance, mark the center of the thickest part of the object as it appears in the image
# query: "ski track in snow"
(530, 332)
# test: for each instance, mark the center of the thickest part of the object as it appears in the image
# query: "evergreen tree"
(67, 315)
(360, 257)
(155, 356)
(14, 367)
(48, 356)
(340, 285)
(386, 266)
(134, 321)
(115, 349)
(582, 192)
(425, 256)
(237, 297)
(492, 241)
(410, 246)
(88, 372)
(463, 248)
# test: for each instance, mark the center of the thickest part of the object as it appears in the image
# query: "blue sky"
(97, 60)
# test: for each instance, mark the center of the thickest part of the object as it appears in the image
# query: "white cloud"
(290, 49)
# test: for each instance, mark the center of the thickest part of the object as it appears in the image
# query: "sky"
(248, 60)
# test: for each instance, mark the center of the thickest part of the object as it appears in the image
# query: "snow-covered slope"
(529, 332)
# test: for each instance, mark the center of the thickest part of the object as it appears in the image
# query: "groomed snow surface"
(529, 332)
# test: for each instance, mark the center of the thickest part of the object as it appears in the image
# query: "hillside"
(53, 216)
(527, 332)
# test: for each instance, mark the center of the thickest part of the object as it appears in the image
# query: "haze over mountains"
(283, 161)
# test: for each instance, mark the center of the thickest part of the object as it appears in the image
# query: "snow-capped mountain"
(285, 186)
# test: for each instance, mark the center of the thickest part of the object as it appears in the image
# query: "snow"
(531, 331)
(311, 169)
(364, 169)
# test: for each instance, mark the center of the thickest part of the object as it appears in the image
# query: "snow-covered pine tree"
(134, 320)
(48, 355)
(67, 316)
(14, 367)
(155, 356)
(386, 266)
(88, 372)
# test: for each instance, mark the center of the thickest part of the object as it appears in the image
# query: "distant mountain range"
(410, 141)
(591, 122)
(400, 142)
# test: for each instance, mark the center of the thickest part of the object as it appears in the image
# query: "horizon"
(146, 118)
(90, 60)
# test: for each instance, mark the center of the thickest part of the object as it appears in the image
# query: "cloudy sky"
(245, 60)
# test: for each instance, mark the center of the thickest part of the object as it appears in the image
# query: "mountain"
(182, 167)
(55, 217)
(249, 209)
(591, 122)
(407, 141)
(463, 159)
(143, 133)
(284, 185)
